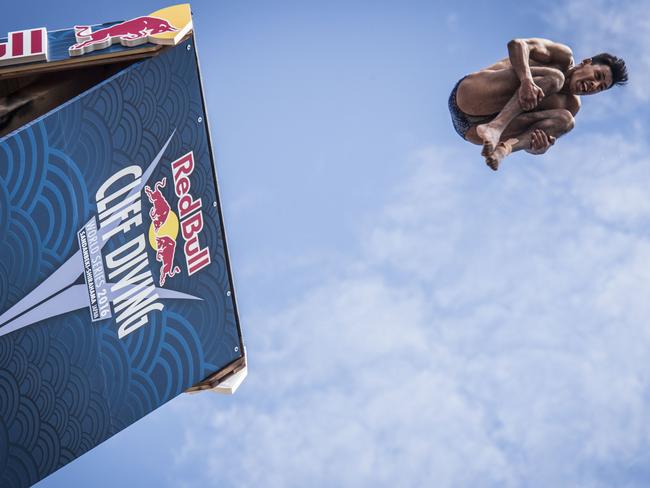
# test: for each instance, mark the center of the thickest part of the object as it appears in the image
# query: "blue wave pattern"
(66, 384)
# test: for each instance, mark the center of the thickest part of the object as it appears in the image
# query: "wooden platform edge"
(16, 71)
(227, 380)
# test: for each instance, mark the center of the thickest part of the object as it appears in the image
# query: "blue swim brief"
(462, 121)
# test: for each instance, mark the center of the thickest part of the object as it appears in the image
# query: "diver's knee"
(565, 120)
(550, 79)
(556, 79)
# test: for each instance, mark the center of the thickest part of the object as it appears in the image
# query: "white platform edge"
(230, 384)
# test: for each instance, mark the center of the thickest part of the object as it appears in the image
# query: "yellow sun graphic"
(169, 228)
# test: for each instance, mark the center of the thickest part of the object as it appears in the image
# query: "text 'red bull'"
(190, 215)
(24, 47)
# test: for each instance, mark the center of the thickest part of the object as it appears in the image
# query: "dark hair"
(617, 65)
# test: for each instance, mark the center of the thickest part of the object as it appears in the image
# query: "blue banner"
(115, 287)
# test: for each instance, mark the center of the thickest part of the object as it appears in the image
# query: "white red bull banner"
(167, 26)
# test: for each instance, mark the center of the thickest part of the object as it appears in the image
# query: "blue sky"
(411, 317)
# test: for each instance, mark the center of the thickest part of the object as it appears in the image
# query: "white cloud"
(495, 333)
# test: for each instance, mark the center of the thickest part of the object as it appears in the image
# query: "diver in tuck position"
(529, 99)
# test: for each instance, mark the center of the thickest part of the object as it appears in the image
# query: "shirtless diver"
(528, 100)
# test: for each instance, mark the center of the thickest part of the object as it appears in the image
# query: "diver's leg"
(519, 133)
(550, 80)
(486, 92)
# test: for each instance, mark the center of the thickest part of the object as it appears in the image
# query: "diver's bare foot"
(502, 150)
(490, 137)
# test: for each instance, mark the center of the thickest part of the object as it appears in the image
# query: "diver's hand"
(540, 142)
(529, 95)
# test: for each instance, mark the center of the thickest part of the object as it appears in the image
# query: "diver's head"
(597, 74)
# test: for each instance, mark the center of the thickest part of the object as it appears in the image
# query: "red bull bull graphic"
(163, 231)
(165, 26)
(130, 33)
(159, 206)
(116, 292)
(165, 249)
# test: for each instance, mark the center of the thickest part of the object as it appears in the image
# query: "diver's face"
(589, 78)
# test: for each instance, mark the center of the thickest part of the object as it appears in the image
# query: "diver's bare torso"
(564, 100)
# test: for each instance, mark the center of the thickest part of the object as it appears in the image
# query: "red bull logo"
(163, 231)
(130, 33)
(167, 26)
